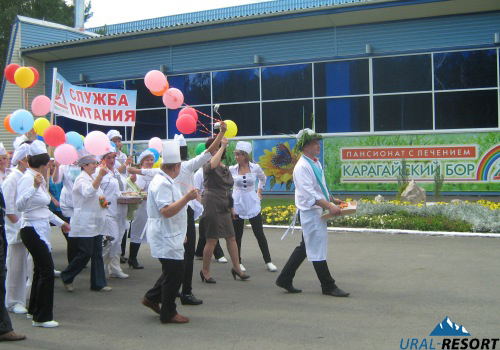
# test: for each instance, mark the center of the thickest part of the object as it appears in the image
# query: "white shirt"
(88, 217)
(110, 185)
(68, 175)
(198, 181)
(3, 176)
(120, 159)
(246, 200)
(9, 189)
(307, 189)
(165, 235)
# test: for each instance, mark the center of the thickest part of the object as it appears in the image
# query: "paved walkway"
(401, 287)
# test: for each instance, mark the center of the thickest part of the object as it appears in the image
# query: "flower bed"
(480, 216)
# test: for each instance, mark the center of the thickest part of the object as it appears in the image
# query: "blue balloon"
(112, 144)
(156, 153)
(21, 121)
(38, 137)
(74, 139)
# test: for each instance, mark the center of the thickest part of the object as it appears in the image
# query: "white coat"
(68, 175)
(140, 216)
(9, 189)
(246, 201)
(88, 218)
(165, 235)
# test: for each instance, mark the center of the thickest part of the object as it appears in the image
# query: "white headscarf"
(144, 154)
(37, 147)
(20, 153)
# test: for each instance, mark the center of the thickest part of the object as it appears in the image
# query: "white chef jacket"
(34, 204)
(140, 215)
(88, 217)
(165, 235)
(3, 176)
(9, 189)
(246, 200)
(68, 175)
(307, 189)
(110, 185)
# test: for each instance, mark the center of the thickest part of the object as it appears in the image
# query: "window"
(195, 87)
(284, 82)
(403, 112)
(108, 85)
(106, 128)
(149, 123)
(236, 85)
(246, 116)
(465, 70)
(341, 78)
(145, 99)
(71, 125)
(467, 109)
(402, 74)
(351, 114)
(287, 117)
(201, 131)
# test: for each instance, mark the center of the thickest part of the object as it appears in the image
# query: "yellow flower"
(282, 173)
(269, 221)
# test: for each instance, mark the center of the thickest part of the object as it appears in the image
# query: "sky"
(119, 11)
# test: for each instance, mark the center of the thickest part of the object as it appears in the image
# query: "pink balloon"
(191, 111)
(40, 105)
(156, 143)
(186, 124)
(65, 154)
(155, 80)
(97, 143)
(173, 98)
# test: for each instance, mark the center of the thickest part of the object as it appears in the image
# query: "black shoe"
(123, 260)
(288, 286)
(134, 264)
(206, 280)
(190, 299)
(335, 291)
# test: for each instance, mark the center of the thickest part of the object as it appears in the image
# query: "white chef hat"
(171, 152)
(244, 146)
(20, 153)
(144, 154)
(3, 151)
(114, 133)
(181, 139)
(19, 140)
(37, 147)
(111, 150)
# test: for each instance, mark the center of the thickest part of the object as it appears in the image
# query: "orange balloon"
(160, 93)
(6, 124)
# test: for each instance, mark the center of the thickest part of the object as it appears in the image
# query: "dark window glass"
(341, 78)
(108, 85)
(465, 70)
(236, 85)
(71, 125)
(467, 109)
(285, 82)
(149, 124)
(145, 99)
(403, 112)
(286, 117)
(246, 116)
(402, 74)
(105, 129)
(195, 87)
(201, 131)
(350, 114)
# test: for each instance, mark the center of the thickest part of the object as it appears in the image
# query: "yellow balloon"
(158, 163)
(232, 129)
(40, 125)
(24, 77)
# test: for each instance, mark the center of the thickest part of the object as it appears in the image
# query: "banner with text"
(108, 107)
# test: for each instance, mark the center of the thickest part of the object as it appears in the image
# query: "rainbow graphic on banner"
(487, 162)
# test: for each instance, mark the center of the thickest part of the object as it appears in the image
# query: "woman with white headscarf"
(32, 200)
(247, 201)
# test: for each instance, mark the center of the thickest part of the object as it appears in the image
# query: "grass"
(275, 202)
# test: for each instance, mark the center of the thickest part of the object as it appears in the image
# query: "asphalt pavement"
(401, 287)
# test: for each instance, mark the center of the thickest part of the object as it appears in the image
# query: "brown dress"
(217, 202)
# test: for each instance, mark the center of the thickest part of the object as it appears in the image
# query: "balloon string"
(206, 115)
(204, 127)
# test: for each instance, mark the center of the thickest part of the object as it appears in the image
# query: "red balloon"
(37, 76)
(191, 111)
(54, 136)
(186, 124)
(9, 72)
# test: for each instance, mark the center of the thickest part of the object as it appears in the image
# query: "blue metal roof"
(262, 8)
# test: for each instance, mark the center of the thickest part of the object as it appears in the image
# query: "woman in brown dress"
(218, 212)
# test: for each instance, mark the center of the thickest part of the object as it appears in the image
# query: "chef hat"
(144, 154)
(37, 147)
(19, 140)
(181, 139)
(114, 133)
(3, 151)
(20, 153)
(111, 150)
(87, 159)
(171, 152)
(244, 146)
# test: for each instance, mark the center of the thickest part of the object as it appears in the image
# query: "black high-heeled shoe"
(206, 280)
(242, 277)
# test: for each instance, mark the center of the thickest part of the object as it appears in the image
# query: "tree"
(57, 11)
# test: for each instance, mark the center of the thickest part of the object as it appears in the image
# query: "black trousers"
(42, 288)
(189, 250)
(71, 242)
(218, 252)
(294, 262)
(258, 231)
(5, 323)
(90, 248)
(166, 287)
